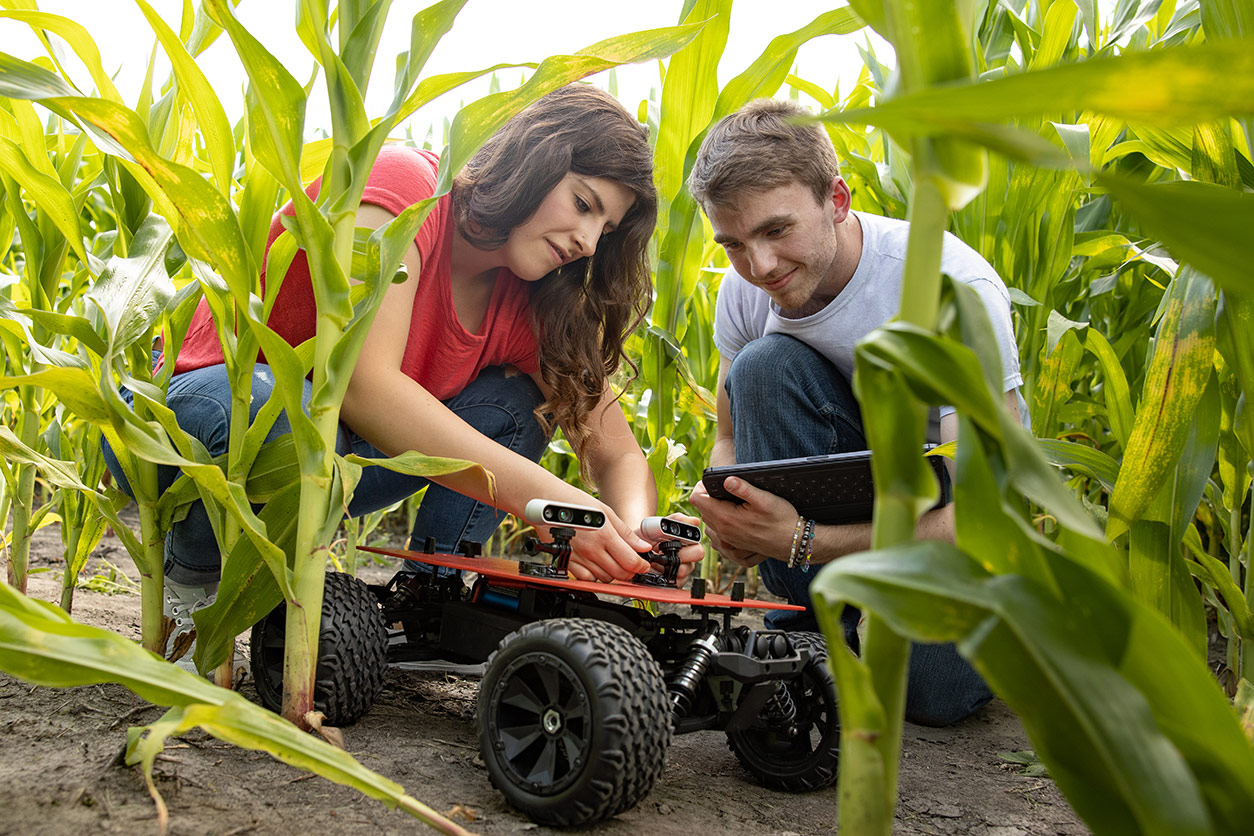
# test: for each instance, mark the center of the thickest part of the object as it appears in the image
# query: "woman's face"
(567, 226)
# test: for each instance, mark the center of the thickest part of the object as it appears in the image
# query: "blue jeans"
(498, 405)
(787, 400)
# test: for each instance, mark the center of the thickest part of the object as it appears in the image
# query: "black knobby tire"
(352, 652)
(574, 720)
(806, 760)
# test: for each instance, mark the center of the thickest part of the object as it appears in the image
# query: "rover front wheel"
(574, 721)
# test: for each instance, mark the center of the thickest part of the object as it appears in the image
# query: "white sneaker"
(180, 603)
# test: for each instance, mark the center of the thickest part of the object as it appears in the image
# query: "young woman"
(522, 285)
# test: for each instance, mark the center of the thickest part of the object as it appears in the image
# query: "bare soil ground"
(61, 772)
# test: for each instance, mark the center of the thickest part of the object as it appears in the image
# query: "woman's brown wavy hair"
(583, 311)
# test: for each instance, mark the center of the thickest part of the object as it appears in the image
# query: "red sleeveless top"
(440, 354)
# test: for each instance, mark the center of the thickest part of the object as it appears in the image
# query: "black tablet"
(836, 488)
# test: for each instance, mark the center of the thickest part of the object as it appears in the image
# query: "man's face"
(785, 242)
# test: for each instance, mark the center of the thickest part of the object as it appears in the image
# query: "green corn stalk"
(947, 173)
(47, 239)
(1094, 673)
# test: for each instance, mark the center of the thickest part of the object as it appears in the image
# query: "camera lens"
(668, 527)
(565, 514)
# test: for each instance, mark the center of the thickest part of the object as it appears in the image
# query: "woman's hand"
(750, 532)
(607, 553)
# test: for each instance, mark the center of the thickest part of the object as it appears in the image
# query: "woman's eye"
(582, 205)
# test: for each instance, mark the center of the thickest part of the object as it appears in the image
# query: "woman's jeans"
(499, 405)
(788, 401)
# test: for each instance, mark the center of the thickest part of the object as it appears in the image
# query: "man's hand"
(750, 532)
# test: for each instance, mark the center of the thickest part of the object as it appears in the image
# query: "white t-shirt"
(872, 297)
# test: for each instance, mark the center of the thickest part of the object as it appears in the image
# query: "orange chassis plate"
(507, 571)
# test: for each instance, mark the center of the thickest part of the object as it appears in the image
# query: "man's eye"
(731, 245)
(776, 232)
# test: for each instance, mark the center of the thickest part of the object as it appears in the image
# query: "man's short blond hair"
(759, 147)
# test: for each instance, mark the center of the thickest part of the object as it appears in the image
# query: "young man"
(809, 278)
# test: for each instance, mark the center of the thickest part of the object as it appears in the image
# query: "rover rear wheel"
(797, 754)
(352, 652)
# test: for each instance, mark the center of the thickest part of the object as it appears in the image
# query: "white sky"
(486, 32)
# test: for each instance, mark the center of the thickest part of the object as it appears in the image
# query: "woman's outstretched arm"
(396, 414)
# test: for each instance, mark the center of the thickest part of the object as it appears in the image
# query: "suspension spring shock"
(683, 688)
(781, 709)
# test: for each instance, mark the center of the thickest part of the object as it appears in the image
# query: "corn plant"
(1087, 622)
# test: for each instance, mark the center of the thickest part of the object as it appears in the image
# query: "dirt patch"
(61, 772)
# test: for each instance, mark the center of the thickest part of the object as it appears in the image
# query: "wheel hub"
(552, 721)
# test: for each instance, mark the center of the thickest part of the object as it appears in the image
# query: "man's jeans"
(498, 405)
(787, 401)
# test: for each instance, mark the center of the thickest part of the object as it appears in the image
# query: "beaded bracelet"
(794, 554)
(807, 547)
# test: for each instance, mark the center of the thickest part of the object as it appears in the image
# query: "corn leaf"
(689, 92)
(46, 192)
(276, 102)
(1082, 459)
(1132, 726)
(1200, 223)
(984, 521)
(74, 387)
(79, 40)
(1114, 386)
(1174, 385)
(210, 117)
(44, 646)
(943, 372)
(1055, 380)
(133, 293)
(481, 118)
(63, 474)
(1165, 88)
